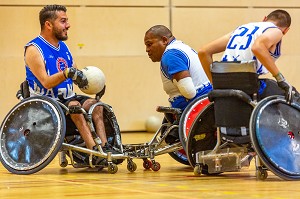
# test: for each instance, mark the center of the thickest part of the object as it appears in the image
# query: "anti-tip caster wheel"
(155, 166)
(147, 164)
(131, 166)
(198, 170)
(112, 168)
(261, 173)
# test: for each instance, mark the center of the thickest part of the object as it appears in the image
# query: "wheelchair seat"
(232, 107)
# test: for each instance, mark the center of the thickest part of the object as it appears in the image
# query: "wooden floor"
(173, 180)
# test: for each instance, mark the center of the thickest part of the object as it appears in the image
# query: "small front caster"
(198, 170)
(131, 166)
(155, 166)
(261, 173)
(112, 168)
(147, 164)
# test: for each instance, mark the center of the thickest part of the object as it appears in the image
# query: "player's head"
(156, 40)
(54, 17)
(281, 18)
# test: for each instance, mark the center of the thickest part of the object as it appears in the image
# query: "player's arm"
(265, 44)
(36, 64)
(261, 47)
(206, 53)
(185, 84)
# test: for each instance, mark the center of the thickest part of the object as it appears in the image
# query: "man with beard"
(51, 71)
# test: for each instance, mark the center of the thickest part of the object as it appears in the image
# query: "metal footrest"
(144, 150)
(223, 160)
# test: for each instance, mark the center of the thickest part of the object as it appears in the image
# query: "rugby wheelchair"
(236, 127)
(35, 131)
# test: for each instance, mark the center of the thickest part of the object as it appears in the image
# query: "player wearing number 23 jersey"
(258, 41)
(242, 39)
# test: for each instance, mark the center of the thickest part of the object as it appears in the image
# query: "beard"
(59, 35)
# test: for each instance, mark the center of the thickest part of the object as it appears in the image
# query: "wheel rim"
(30, 126)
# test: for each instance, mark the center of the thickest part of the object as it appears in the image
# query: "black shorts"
(71, 129)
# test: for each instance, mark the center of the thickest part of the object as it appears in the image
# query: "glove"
(283, 84)
(101, 93)
(77, 76)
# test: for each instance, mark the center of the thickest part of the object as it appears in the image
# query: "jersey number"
(245, 30)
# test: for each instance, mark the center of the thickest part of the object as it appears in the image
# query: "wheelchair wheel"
(202, 135)
(31, 135)
(180, 156)
(274, 132)
(188, 117)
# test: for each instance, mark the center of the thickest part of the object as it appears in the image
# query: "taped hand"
(77, 76)
(283, 84)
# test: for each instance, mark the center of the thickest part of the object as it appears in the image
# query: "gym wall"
(109, 34)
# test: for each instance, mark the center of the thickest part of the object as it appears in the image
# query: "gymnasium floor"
(173, 180)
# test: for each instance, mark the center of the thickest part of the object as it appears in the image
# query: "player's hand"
(77, 76)
(101, 93)
(283, 84)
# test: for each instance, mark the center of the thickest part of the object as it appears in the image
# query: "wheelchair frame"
(227, 155)
(145, 151)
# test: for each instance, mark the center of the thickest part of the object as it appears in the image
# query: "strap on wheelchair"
(75, 109)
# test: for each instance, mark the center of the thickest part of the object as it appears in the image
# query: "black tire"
(31, 135)
(189, 115)
(180, 156)
(202, 135)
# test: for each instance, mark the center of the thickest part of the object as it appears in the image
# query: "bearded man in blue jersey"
(51, 71)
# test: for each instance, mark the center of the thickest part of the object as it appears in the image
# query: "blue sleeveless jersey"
(56, 59)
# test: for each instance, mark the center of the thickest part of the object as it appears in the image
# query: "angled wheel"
(187, 118)
(189, 115)
(180, 156)
(274, 132)
(202, 134)
(31, 135)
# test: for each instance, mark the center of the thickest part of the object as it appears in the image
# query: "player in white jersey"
(259, 41)
(182, 75)
(50, 67)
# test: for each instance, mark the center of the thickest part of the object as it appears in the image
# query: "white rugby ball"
(96, 80)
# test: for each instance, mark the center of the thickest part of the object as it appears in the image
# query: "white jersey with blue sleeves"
(181, 57)
(241, 41)
(56, 59)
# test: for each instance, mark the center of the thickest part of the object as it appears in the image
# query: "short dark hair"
(48, 13)
(160, 31)
(281, 17)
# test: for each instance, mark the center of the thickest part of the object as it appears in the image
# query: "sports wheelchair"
(236, 127)
(35, 131)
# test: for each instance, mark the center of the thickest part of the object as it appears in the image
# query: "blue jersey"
(56, 59)
(241, 41)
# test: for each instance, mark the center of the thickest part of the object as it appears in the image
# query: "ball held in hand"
(96, 80)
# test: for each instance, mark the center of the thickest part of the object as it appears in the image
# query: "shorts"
(71, 128)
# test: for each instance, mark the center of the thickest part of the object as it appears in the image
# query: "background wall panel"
(109, 34)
